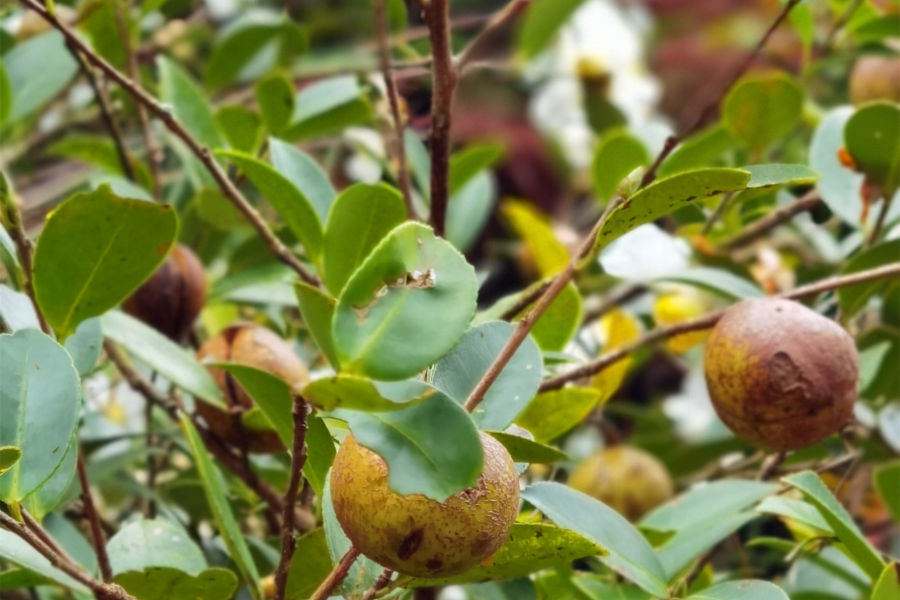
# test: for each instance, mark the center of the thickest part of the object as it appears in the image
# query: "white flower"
(365, 164)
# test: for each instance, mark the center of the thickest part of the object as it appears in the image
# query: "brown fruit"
(173, 296)
(875, 78)
(628, 480)
(415, 535)
(254, 346)
(779, 374)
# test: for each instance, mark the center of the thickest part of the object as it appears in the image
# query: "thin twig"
(382, 582)
(496, 21)
(337, 575)
(882, 217)
(759, 228)
(98, 539)
(528, 298)
(444, 78)
(298, 459)
(708, 321)
(717, 213)
(12, 220)
(384, 55)
(275, 246)
(614, 299)
(770, 466)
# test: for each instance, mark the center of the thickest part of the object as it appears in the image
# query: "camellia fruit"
(257, 347)
(416, 535)
(627, 479)
(780, 375)
(173, 296)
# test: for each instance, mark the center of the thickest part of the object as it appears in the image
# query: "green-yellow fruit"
(780, 375)
(415, 535)
(628, 480)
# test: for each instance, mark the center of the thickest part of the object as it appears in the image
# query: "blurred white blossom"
(365, 163)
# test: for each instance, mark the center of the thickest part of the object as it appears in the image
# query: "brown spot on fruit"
(462, 531)
(628, 480)
(780, 375)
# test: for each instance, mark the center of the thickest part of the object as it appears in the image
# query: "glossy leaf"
(317, 309)
(154, 543)
(872, 137)
(358, 393)
(431, 448)
(218, 504)
(96, 249)
(553, 413)
(361, 216)
(162, 355)
(530, 547)
(320, 453)
(533, 228)
(328, 106)
(167, 583)
(458, 373)
(293, 206)
(542, 21)
(841, 522)
(307, 176)
(750, 589)
(37, 70)
(384, 324)
(39, 404)
(524, 450)
(761, 109)
(706, 504)
(270, 393)
(616, 157)
(189, 106)
(467, 163)
(19, 552)
(54, 490)
(629, 554)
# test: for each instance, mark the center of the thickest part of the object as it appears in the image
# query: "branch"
(98, 539)
(337, 575)
(276, 247)
(496, 21)
(298, 459)
(708, 321)
(763, 226)
(384, 55)
(382, 582)
(444, 78)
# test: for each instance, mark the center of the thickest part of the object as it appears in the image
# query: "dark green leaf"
(6, 95)
(9, 456)
(761, 109)
(317, 310)
(872, 137)
(310, 565)
(95, 249)
(527, 451)
(384, 324)
(166, 583)
(275, 96)
(617, 156)
(319, 454)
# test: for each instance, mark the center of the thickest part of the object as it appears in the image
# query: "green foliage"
(872, 137)
(36, 70)
(358, 393)
(188, 104)
(617, 155)
(542, 21)
(524, 450)
(742, 590)
(553, 413)
(761, 109)
(19, 552)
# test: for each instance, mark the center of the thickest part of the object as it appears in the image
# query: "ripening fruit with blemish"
(629, 480)
(780, 375)
(173, 297)
(254, 346)
(416, 535)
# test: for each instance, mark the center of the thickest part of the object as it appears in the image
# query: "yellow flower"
(678, 307)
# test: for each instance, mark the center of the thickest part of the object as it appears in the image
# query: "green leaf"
(84, 345)
(629, 554)
(270, 393)
(459, 372)
(556, 327)
(37, 70)
(853, 299)
(431, 448)
(384, 324)
(750, 589)
(320, 453)
(218, 504)
(100, 19)
(776, 175)
(553, 413)
(797, 510)
(358, 393)
(6, 95)
(469, 210)
(872, 137)
(39, 404)
(99, 151)
(17, 310)
(362, 215)
(166, 583)
(308, 177)
(709, 503)
(839, 186)
(761, 109)
(543, 19)
(96, 249)
(719, 281)
(533, 227)
(530, 547)
(154, 543)
(217, 210)
(689, 543)
(887, 482)
(54, 490)
(328, 106)
(467, 163)
(700, 150)
(293, 206)
(162, 355)
(242, 127)
(617, 156)
(189, 105)
(17, 579)
(887, 587)
(19, 552)
(9, 456)
(665, 196)
(310, 565)
(317, 311)
(275, 96)
(841, 522)
(524, 450)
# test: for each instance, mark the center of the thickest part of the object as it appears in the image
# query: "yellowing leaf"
(618, 328)
(676, 307)
(533, 228)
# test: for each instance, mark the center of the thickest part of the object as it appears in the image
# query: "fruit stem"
(337, 575)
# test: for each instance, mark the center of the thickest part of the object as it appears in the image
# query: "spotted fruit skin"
(628, 480)
(780, 375)
(415, 535)
(254, 346)
(173, 297)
